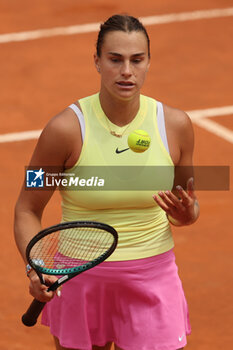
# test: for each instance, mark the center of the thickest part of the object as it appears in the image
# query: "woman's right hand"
(38, 290)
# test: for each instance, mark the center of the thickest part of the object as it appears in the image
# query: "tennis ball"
(139, 141)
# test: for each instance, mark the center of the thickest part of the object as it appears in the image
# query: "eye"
(137, 60)
(115, 59)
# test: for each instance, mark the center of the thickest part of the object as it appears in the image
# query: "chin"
(121, 95)
(126, 95)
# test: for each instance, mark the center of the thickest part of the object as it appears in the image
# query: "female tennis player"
(135, 298)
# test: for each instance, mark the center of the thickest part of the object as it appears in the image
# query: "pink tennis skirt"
(137, 304)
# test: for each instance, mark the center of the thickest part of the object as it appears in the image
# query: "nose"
(126, 69)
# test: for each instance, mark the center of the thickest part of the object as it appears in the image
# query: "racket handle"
(30, 317)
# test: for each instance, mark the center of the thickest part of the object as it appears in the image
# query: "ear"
(97, 62)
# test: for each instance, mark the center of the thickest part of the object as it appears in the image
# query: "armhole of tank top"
(80, 117)
(161, 125)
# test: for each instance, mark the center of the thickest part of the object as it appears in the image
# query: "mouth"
(125, 83)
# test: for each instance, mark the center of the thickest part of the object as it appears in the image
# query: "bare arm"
(180, 204)
(58, 148)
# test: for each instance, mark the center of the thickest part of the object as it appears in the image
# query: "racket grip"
(30, 317)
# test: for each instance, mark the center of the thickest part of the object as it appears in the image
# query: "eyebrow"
(119, 55)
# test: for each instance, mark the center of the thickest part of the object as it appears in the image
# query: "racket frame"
(69, 225)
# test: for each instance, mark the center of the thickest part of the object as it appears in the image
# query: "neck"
(119, 112)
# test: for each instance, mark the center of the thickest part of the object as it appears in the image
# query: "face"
(123, 64)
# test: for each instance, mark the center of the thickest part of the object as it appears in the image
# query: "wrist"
(29, 270)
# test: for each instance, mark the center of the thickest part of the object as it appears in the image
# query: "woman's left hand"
(180, 211)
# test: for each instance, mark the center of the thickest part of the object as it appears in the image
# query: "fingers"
(190, 188)
(160, 202)
(190, 184)
(167, 201)
(189, 194)
(181, 208)
(184, 196)
(49, 280)
(171, 204)
(40, 291)
(58, 291)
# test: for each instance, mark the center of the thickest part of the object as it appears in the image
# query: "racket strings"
(71, 247)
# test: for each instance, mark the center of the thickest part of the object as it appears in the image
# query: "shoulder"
(60, 137)
(62, 126)
(178, 123)
(180, 134)
(177, 118)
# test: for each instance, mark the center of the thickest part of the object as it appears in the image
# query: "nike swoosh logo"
(122, 150)
(181, 338)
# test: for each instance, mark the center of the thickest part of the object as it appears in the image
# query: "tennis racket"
(66, 250)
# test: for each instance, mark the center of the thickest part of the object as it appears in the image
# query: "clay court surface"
(191, 69)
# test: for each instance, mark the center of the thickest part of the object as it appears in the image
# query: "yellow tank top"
(124, 201)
